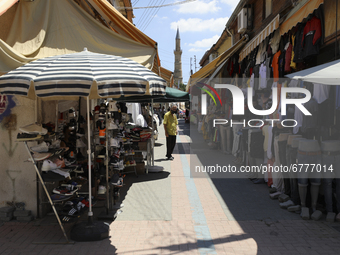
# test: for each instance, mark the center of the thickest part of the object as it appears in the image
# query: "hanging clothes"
(292, 63)
(275, 66)
(311, 37)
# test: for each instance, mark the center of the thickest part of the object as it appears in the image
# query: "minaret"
(178, 79)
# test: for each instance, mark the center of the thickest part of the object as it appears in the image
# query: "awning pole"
(153, 137)
(90, 214)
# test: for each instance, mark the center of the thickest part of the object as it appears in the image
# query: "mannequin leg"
(327, 185)
(314, 190)
(303, 194)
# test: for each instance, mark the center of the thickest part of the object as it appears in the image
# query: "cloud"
(199, 25)
(231, 3)
(199, 7)
(195, 50)
(205, 43)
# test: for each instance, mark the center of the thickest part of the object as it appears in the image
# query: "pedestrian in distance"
(170, 123)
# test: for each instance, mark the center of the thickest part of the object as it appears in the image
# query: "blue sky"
(200, 22)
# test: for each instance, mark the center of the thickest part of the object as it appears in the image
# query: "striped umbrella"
(82, 74)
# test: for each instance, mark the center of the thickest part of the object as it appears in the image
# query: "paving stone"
(25, 218)
(294, 208)
(21, 213)
(5, 219)
(7, 209)
(6, 214)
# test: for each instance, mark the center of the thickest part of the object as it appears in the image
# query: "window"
(267, 8)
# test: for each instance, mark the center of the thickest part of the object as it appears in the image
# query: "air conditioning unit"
(242, 20)
(212, 56)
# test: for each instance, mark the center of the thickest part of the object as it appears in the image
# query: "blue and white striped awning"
(82, 74)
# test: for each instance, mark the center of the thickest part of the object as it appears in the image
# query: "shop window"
(267, 4)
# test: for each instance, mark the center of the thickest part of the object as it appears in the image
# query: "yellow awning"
(301, 11)
(62, 27)
(210, 68)
(270, 28)
(122, 26)
(167, 75)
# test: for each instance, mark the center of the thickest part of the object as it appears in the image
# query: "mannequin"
(294, 203)
(282, 143)
(331, 157)
(309, 153)
(255, 152)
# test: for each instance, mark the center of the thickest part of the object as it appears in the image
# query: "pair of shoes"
(80, 143)
(170, 158)
(258, 181)
(101, 189)
(33, 129)
(42, 147)
(27, 137)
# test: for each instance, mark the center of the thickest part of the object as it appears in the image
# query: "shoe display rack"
(112, 137)
(46, 191)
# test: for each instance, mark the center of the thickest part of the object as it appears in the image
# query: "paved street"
(171, 213)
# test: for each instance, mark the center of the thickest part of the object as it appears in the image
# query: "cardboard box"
(143, 146)
(140, 168)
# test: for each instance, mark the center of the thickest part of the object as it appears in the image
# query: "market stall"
(71, 76)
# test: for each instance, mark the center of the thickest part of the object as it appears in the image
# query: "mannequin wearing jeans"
(282, 143)
(291, 154)
(331, 159)
(309, 153)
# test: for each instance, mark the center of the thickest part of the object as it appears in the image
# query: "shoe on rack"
(59, 162)
(27, 137)
(80, 156)
(112, 125)
(102, 133)
(69, 162)
(114, 161)
(72, 113)
(101, 189)
(96, 109)
(113, 106)
(33, 129)
(114, 142)
(48, 165)
(73, 124)
(41, 147)
(71, 155)
(102, 153)
(80, 143)
(40, 156)
(55, 144)
(81, 132)
(63, 190)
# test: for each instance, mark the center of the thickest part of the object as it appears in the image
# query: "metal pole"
(153, 138)
(46, 191)
(107, 165)
(90, 214)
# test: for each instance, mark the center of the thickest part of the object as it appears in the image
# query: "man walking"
(170, 126)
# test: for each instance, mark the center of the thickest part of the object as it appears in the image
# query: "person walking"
(170, 126)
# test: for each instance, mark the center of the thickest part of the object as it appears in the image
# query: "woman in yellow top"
(170, 126)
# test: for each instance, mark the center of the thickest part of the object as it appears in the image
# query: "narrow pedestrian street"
(171, 213)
